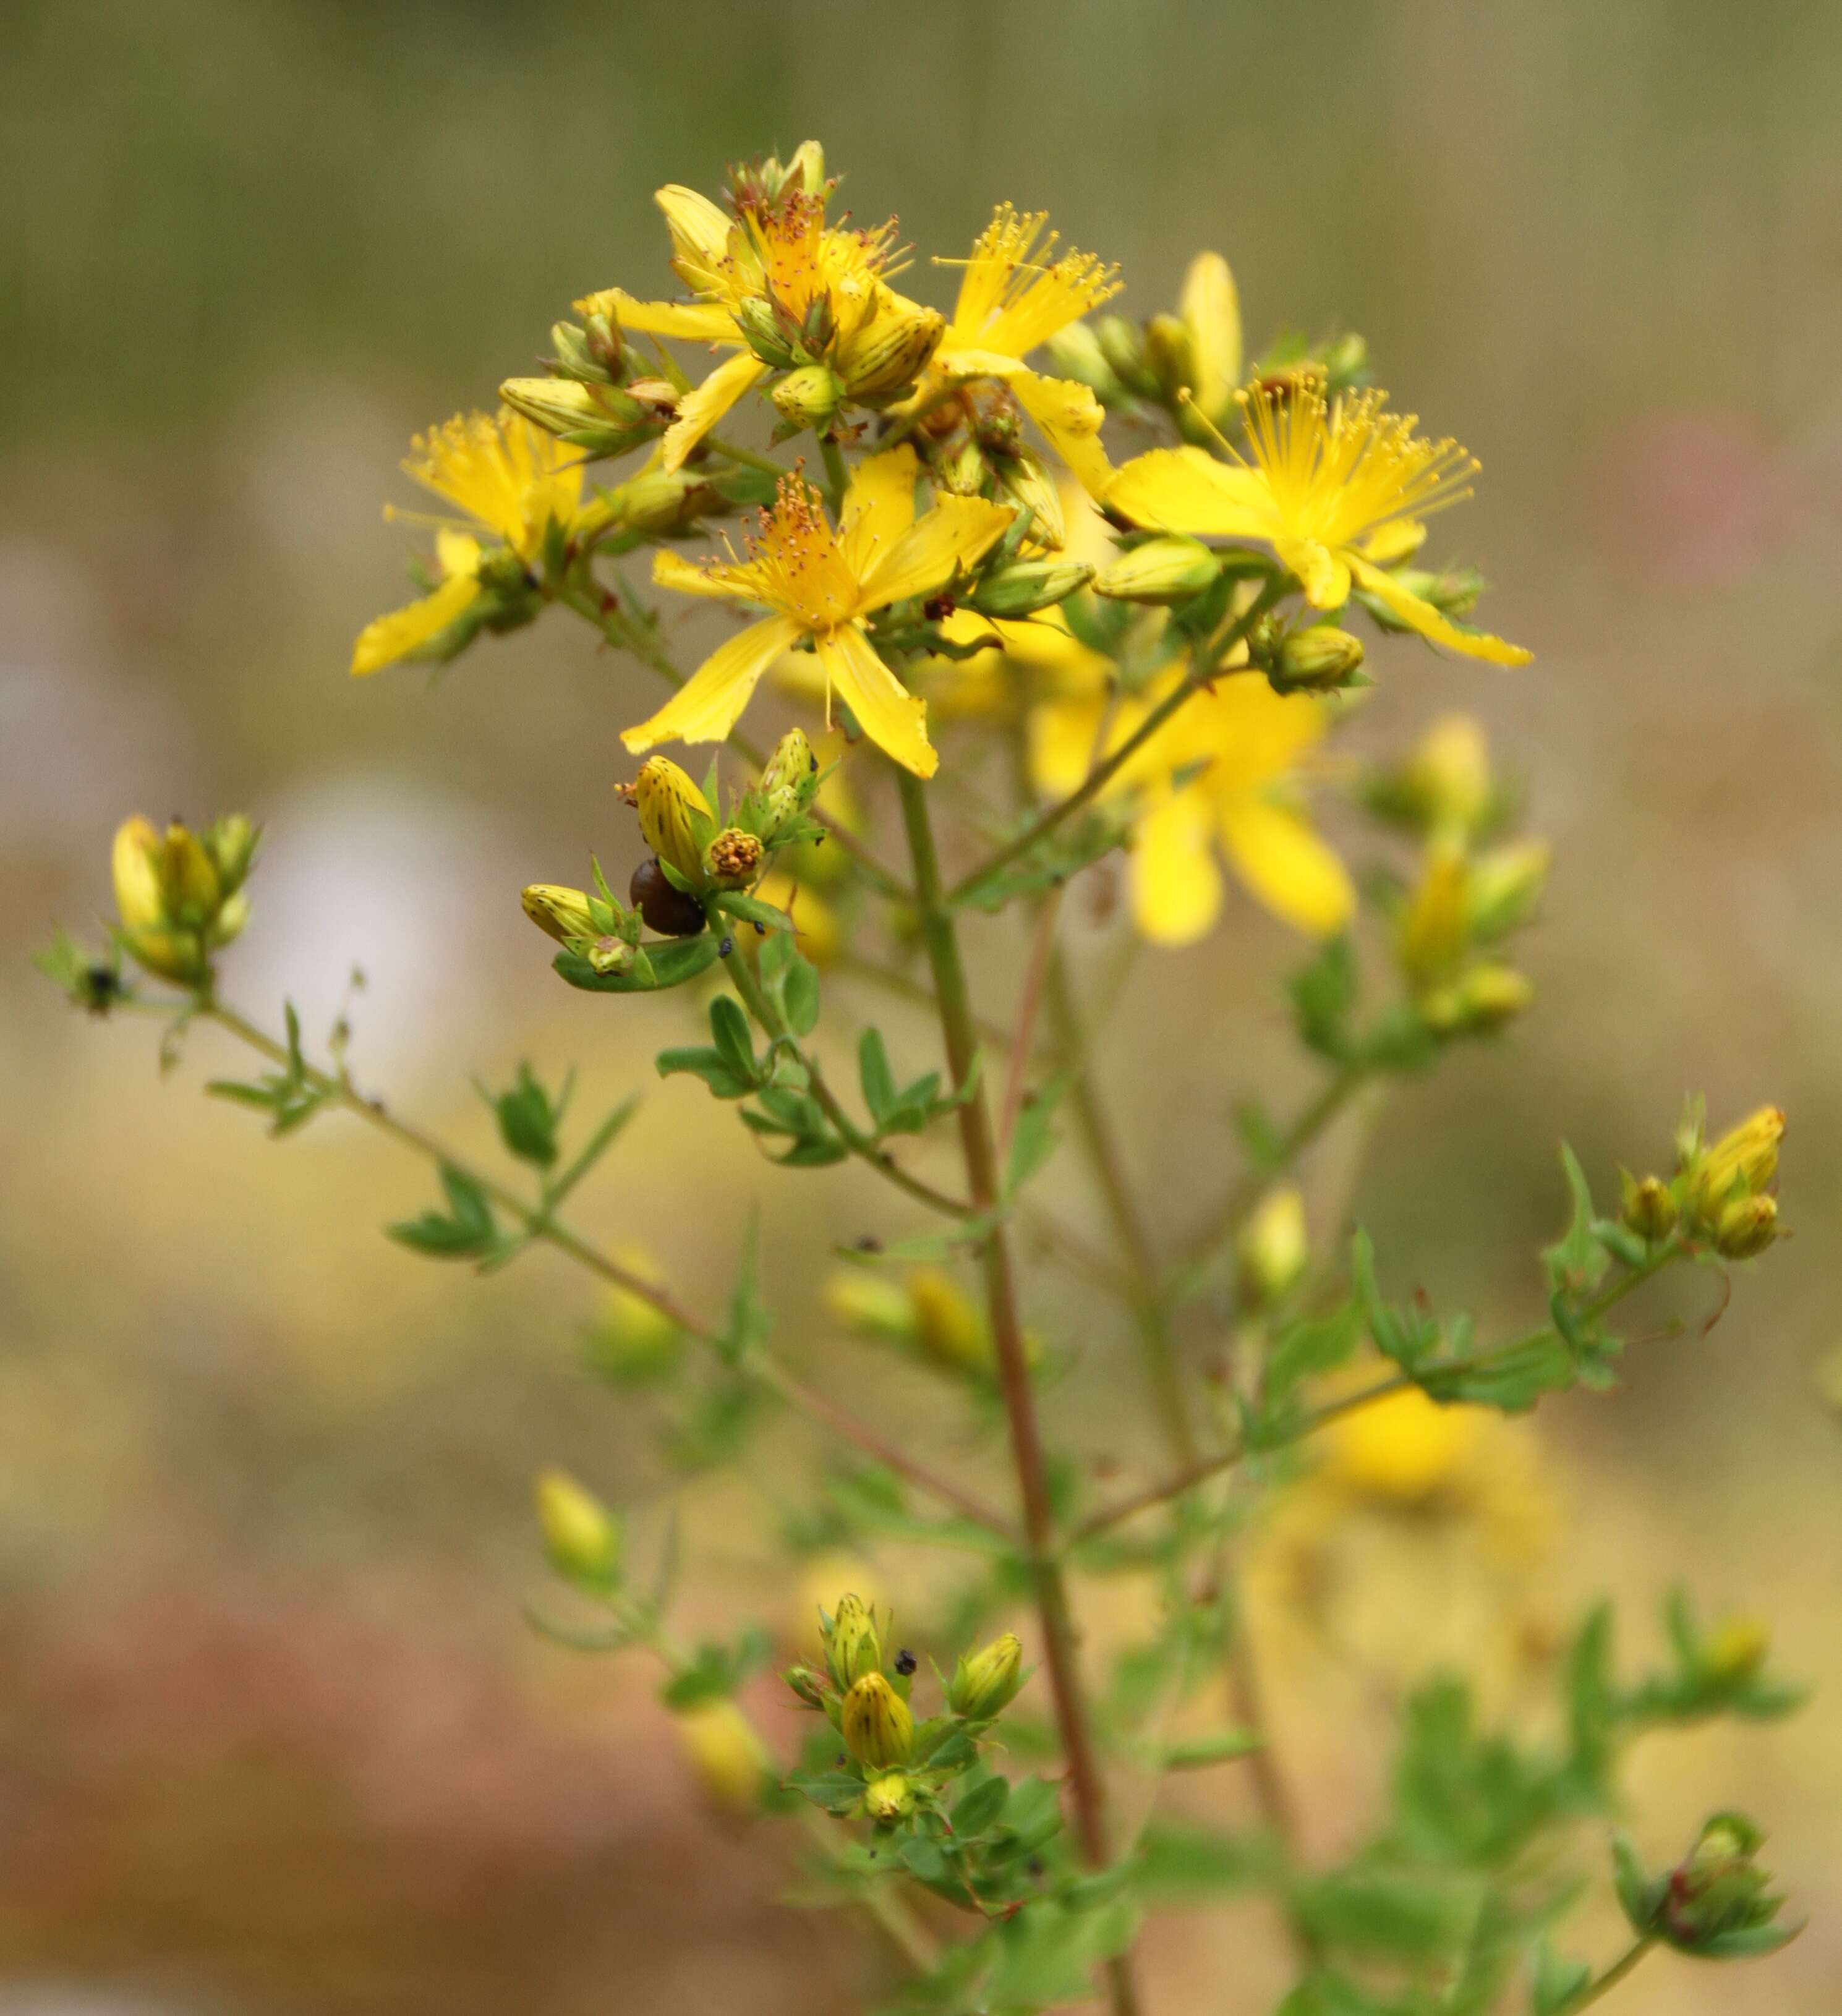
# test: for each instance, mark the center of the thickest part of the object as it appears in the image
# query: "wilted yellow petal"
(1408, 608)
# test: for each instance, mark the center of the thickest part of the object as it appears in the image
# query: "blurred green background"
(272, 1734)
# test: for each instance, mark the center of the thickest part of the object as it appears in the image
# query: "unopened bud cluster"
(179, 894)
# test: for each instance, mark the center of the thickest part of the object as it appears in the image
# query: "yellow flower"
(1328, 487)
(1012, 297)
(511, 479)
(819, 585)
(1404, 1449)
(1223, 771)
(730, 1759)
(777, 282)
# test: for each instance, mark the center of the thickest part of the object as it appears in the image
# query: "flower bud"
(1453, 591)
(1735, 1649)
(960, 469)
(632, 1340)
(1211, 309)
(886, 355)
(1168, 568)
(730, 1759)
(1273, 1249)
(809, 1688)
(1317, 658)
(595, 417)
(1487, 999)
(1077, 353)
(1649, 1208)
(1437, 925)
(789, 784)
(869, 1305)
(560, 913)
(577, 357)
(189, 891)
(732, 859)
(808, 397)
(761, 326)
(138, 901)
(948, 1327)
(985, 1682)
(658, 500)
(888, 1799)
(1718, 1890)
(1123, 348)
(581, 1537)
(878, 1728)
(1346, 358)
(1506, 885)
(1169, 355)
(675, 820)
(1025, 481)
(231, 842)
(1744, 1160)
(1025, 586)
(1445, 786)
(1745, 1227)
(853, 1647)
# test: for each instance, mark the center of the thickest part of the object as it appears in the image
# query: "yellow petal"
(1422, 616)
(699, 411)
(1287, 867)
(458, 552)
(893, 718)
(1389, 545)
(1183, 490)
(1210, 307)
(698, 228)
(1177, 888)
(673, 570)
(957, 531)
(1064, 741)
(1323, 576)
(386, 638)
(695, 322)
(711, 701)
(1071, 417)
(1251, 734)
(878, 507)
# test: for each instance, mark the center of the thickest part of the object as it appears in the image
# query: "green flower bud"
(560, 913)
(657, 500)
(985, 1682)
(761, 325)
(808, 397)
(1718, 1898)
(1648, 1207)
(1076, 353)
(596, 417)
(581, 1535)
(1745, 1227)
(809, 1688)
(1735, 1649)
(1506, 885)
(1170, 354)
(888, 1799)
(1123, 348)
(878, 1728)
(1024, 479)
(189, 891)
(852, 1648)
(231, 842)
(1487, 999)
(1314, 659)
(1273, 1249)
(886, 355)
(576, 357)
(1169, 568)
(1025, 586)
(960, 469)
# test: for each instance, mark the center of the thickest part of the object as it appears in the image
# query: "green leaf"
(1033, 1142)
(1576, 1259)
(528, 1118)
(671, 962)
(1178, 1863)
(465, 1231)
(1309, 1347)
(750, 1324)
(1638, 1898)
(1555, 1983)
(978, 1809)
(1323, 998)
(1198, 1753)
(1059, 855)
(730, 1031)
(752, 910)
(700, 1060)
(593, 1149)
(873, 1074)
(799, 995)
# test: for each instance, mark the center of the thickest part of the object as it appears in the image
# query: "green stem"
(1104, 772)
(836, 481)
(539, 1224)
(1109, 1516)
(864, 1146)
(1604, 1983)
(746, 456)
(940, 937)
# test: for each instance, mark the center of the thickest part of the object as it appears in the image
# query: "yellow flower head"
(1328, 486)
(1013, 296)
(784, 288)
(512, 479)
(818, 584)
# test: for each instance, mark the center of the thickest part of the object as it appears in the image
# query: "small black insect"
(906, 1662)
(727, 946)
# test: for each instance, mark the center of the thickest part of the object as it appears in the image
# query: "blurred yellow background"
(273, 1736)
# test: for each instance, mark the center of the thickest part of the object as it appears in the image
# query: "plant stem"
(1150, 1309)
(1042, 957)
(1103, 771)
(1604, 1983)
(941, 938)
(862, 1146)
(539, 1224)
(836, 481)
(1109, 1516)
(746, 456)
